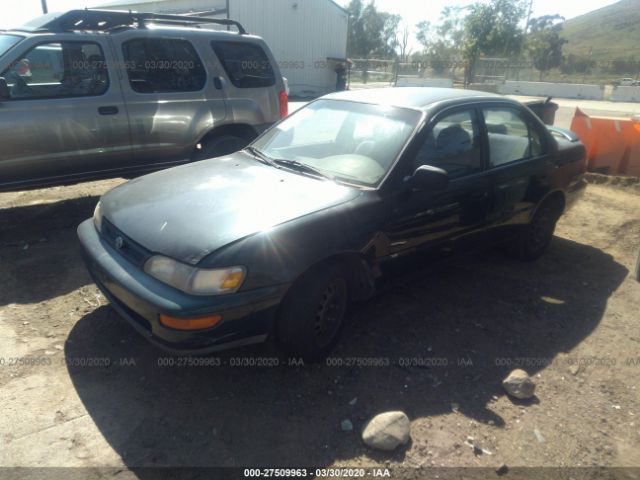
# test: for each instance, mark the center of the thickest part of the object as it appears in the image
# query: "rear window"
(162, 65)
(246, 64)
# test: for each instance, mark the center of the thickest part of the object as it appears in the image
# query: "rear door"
(422, 219)
(171, 97)
(519, 162)
(251, 81)
(65, 117)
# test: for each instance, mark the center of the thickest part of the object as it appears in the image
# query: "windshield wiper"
(261, 156)
(303, 167)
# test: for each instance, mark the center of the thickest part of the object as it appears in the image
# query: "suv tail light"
(284, 104)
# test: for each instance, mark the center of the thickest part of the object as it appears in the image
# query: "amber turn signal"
(190, 323)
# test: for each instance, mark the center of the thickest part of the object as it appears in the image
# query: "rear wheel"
(534, 238)
(312, 314)
(219, 146)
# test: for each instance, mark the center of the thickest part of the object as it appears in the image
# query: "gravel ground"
(80, 388)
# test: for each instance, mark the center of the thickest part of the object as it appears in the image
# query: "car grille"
(132, 251)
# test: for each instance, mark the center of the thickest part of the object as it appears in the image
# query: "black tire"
(219, 146)
(312, 314)
(534, 238)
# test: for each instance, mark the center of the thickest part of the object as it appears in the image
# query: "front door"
(422, 219)
(65, 115)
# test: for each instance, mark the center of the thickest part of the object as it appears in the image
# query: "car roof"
(411, 97)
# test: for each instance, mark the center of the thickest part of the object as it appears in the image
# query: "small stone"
(455, 407)
(353, 401)
(538, 435)
(502, 469)
(574, 369)
(346, 425)
(25, 323)
(50, 335)
(518, 384)
(58, 347)
(387, 431)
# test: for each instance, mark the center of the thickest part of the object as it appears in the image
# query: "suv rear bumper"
(247, 317)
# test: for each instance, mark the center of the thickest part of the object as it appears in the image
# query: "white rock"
(387, 431)
(519, 385)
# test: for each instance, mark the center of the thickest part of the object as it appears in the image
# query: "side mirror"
(5, 94)
(431, 178)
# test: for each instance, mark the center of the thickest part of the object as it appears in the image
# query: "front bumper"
(247, 317)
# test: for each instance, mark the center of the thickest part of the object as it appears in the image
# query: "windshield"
(352, 142)
(8, 41)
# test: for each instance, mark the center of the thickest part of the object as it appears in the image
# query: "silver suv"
(90, 94)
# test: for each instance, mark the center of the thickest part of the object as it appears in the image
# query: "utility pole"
(44, 6)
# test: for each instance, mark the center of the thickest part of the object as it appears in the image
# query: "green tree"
(492, 29)
(545, 43)
(371, 32)
(450, 29)
(422, 34)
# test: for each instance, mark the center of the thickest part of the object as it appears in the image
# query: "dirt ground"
(80, 388)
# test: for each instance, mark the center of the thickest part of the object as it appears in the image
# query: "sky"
(412, 11)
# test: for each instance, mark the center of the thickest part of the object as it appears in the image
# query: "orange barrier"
(613, 144)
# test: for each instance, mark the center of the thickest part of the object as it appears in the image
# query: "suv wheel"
(219, 146)
(535, 237)
(312, 314)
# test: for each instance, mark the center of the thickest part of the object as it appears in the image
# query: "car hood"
(190, 211)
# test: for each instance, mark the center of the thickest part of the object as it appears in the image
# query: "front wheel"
(534, 238)
(312, 314)
(219, 146)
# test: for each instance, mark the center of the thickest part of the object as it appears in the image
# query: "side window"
(511, 137)
(163, 65)
(246, 64)
(452, 144)
(56, 70)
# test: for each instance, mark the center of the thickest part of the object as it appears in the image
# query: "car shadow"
(429, 342)
(41, 239)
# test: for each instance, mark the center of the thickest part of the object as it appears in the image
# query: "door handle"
(109, 110)
(217, 82)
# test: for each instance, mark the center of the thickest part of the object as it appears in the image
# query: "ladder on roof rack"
(105, 20)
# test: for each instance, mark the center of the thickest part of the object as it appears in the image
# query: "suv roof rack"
(106, 20)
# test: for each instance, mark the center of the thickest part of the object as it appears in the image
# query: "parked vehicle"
(627, 82)
(279, 237)
(91, 94)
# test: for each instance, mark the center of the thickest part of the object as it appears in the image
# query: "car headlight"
(197, 281)
(97, 217)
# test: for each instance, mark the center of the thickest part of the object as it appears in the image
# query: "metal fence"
(374, 72)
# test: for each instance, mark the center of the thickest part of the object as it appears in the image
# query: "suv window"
(8, 41)
(246, 64)
(163, 65)
(453, 144)
(60, 69)
(511, 137)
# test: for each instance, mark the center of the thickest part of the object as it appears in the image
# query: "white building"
(302, 34)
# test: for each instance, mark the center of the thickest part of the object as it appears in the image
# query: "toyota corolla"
(278, 238)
